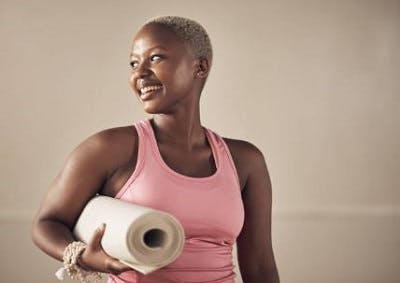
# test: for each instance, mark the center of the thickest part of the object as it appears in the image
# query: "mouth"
(147, 92)
(149, 89)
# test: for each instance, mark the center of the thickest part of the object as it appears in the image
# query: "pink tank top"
(210, 210)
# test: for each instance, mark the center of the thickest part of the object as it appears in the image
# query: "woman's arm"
(254, 245)
(86, 169)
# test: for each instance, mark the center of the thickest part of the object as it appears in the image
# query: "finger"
(97, 236)
(117, 266)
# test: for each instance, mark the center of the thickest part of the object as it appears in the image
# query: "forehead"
(152, 36)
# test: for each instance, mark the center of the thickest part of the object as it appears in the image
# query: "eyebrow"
(154, 47)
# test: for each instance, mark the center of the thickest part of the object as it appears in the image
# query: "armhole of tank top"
(139, 162)
(232, 163)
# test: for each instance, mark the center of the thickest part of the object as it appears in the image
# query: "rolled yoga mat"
(143, 238)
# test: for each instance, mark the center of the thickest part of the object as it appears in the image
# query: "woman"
(218, 188)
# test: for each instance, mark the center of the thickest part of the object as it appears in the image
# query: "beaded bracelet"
(70, 257)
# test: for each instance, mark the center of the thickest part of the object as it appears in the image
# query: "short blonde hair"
(190, 31)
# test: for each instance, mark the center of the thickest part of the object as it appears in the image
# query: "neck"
(185, 131)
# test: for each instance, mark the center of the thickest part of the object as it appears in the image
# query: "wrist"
(81, 260)
(71, 257)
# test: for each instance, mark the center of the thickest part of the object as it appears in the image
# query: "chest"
(197, 163)
(203, 208)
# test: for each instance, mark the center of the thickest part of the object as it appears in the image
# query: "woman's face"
(163, 69)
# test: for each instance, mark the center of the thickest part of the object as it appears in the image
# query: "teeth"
(149, 88)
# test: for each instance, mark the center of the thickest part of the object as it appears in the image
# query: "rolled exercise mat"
(143, 238)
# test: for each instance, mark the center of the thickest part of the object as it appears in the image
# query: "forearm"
(262, 276)
(51, 237)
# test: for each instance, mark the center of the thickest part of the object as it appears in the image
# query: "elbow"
(33, 231)
(36, 232)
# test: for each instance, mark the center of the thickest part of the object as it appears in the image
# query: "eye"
(133, 64)
(155, 57)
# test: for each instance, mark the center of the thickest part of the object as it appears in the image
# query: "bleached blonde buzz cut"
(193, 33)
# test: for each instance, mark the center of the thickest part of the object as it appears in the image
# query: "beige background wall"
(314, 84)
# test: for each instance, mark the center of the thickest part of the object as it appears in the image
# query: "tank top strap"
(141, 150)
(223, 151)
(215, 148)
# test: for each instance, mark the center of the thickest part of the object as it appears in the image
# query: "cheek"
(183, 75)
(131, 83)
(131, 80)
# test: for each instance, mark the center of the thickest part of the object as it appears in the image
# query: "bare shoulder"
(113, 136)
(242, 147)
(117, 145)
(246, 156)
(85, 171)
(113, 146)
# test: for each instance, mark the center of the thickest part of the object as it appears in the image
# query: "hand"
(94, 257)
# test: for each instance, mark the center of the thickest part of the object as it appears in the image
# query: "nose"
(142, 70)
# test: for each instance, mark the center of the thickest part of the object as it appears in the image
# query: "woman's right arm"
(85, 170)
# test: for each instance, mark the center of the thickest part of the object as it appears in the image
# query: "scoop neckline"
(177, 174)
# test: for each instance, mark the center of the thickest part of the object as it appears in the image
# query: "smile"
(150, 88)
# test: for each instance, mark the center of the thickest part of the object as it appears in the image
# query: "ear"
(202, 68)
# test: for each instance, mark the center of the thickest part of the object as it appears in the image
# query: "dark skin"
(104, 161)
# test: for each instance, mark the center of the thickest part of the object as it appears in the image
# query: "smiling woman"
(179, 71)
(218, 188)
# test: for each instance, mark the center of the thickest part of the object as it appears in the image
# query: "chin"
(153, 109)
(151, 112)
(158, 107)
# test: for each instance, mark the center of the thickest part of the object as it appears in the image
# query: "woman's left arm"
(254, 245)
